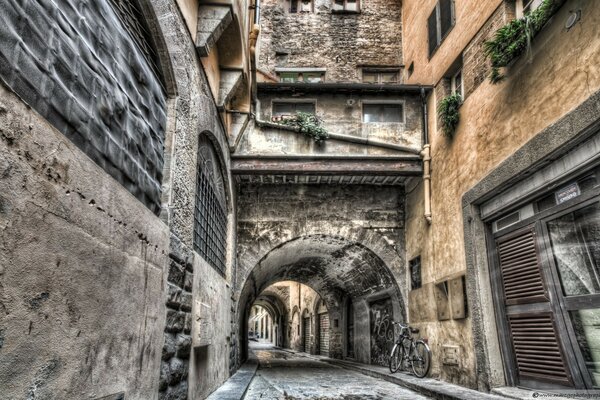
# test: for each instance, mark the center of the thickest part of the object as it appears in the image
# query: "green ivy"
(310, 125)
(514, 38)
(448, 113)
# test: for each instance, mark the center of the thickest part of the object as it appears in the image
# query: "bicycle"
(406, 350)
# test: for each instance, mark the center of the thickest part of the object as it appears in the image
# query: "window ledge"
(345, 12)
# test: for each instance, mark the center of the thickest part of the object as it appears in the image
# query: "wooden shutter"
(536, 348)
(520, 268)
(324, 334)
(432, 31)
(446, 16)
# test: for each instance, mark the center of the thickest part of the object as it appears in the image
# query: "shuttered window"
(439, 23)
(432, 31)
(520, 269)
(536, 348)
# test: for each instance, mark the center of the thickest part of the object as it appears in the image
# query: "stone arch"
(265, 241)
(334, 267)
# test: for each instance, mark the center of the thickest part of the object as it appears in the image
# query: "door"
(537, 351)
(350, 330)
(324, 334)
(306, 334)
(547, 287)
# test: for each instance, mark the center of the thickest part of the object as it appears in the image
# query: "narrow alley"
(290, 199)
(285, 375)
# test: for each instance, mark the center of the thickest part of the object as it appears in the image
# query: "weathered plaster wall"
(191, 283)
(496, 120)
(337, 42)
(213, 303)
(99, 266)
(338, 118)
(470, 16)
(81, 270)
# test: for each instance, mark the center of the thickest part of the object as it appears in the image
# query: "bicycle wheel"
(421, 359)
(396, 358)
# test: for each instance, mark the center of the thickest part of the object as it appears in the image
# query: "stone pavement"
(282, 375)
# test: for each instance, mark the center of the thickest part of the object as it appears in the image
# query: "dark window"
(439, 23)
(297, 6)
(210, 217)
(415, 273)
(380, 75)
(345, 6)
(290, 108)
(456, 83)
(309, 77)
(382, 112)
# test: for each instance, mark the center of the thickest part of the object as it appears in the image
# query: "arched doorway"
(338, 270)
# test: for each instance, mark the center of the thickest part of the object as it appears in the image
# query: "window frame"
(524, 7)
(291, 101)
(345, 10)
(379, 71)
(400, 103)
(462, 83)
(440, 37)
(211, 213)
(301, 71)
(299, 9)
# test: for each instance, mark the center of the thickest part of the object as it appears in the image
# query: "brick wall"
(476, 66)
(338, 42)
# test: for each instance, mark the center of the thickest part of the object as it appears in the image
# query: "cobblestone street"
(283, 375)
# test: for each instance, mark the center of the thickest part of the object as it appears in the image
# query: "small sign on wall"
(449, 355)
(567, 193)
(204, 327)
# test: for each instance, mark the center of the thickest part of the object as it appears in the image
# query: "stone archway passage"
(338, 270)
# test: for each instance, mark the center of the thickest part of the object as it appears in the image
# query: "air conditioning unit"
(351, 102)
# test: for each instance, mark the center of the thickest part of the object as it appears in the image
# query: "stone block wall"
(338, 42)
(178, 341)
(96, 86)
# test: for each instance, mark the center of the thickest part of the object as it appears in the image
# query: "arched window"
(210, 216)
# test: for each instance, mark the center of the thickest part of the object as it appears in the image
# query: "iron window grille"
(210, 217)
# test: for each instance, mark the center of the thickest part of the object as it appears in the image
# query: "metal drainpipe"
(426, 154)
(257, 12)
(254, 33)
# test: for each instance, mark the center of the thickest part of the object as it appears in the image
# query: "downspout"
(253, 39)
(426, 154)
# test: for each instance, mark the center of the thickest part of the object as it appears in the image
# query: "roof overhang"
(305, 87)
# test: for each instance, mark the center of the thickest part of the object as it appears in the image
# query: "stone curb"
(426, 386)
(236, 386)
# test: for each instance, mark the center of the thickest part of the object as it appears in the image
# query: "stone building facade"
(525, 126)
(107, 118)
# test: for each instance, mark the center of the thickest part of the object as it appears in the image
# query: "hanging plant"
(308, 124)
(449, 113)
(514, 38)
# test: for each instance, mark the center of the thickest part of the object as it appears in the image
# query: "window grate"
(210, 220)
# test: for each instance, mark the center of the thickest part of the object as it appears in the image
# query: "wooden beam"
(257, 166)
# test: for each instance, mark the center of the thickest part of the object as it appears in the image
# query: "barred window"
(210, 216)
